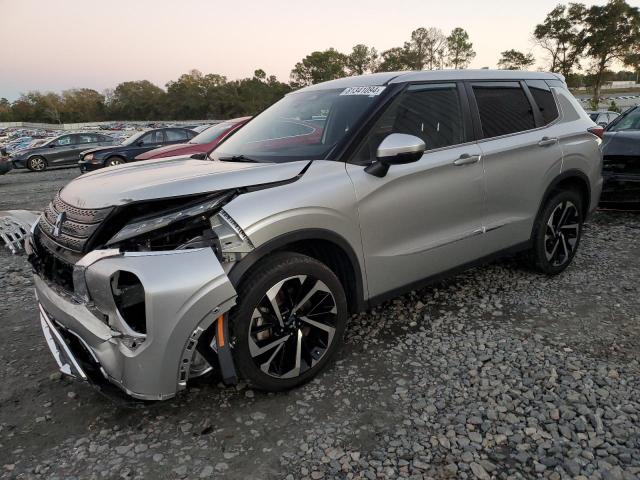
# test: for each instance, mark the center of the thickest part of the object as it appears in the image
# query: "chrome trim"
(66, 361)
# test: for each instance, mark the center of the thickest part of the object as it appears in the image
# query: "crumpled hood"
(165, 178)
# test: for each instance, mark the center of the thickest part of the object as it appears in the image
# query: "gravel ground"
(498, 372)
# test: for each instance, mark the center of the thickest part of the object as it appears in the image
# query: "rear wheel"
(37, 164)
(289, 321)
(557, 233)
(113, 161)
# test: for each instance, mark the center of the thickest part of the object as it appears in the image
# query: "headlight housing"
(88, 157)
(172, 228)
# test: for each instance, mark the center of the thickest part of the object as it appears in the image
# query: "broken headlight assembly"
(198, 224)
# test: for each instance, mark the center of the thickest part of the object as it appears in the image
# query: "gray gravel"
(496, 373)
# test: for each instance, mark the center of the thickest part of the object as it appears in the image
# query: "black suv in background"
(61, 150)
(133, 146)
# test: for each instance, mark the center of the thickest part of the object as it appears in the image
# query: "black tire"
(113, 161)
(37, 164)
(255, 315)
(557, 232)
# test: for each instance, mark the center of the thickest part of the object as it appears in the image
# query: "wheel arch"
(573, 179)
(323, 245)
(114, 155)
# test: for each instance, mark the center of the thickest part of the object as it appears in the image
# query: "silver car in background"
(340, 196)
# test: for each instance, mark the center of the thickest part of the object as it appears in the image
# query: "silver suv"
(338, 197)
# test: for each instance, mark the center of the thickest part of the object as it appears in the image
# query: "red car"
(202, 143)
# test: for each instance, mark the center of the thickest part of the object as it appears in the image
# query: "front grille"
(78, 225)
(58, 251)
(50, 263)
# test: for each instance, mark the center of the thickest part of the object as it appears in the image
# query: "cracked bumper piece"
(184, 292)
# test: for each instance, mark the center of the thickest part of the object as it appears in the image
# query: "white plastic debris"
(14, 227)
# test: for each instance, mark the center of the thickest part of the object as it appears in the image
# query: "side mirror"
(52, 144)
(140, 143)
(396, 149)
(199, 156)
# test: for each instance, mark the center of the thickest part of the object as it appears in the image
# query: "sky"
(53, 45)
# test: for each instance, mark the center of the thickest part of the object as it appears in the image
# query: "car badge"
(58, 225)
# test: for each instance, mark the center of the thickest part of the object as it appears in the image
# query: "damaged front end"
(138, 294)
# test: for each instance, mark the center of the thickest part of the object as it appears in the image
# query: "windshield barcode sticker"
(368, 91)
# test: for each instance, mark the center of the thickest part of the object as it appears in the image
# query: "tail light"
(598, 131)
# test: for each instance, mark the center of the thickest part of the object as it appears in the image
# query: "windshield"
(212, 133)
(133, 138)
(301, 126)
(630, 121)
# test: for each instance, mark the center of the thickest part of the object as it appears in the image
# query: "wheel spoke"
(256, 350)
(322, 326)
(551, 255)
(265, 366)
(318, 286)
(295, 371)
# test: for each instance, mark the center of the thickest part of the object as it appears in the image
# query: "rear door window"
(504, 108)
(176, 135)
(152, 138)
(543, 97)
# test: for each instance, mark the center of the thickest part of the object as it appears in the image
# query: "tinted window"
(175, 135)
(66, 140)
(153, 137)
(629, 121)
(504, 108)
(431, 112)
(86, 138)
(544, 99)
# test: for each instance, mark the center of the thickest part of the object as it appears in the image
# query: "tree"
(362, 59)
(82, 105)
(5, 110)
(558, 36)
(395, 59)
(609, 33)
(319, 67)
(515, 60)
(459, 49)
(139, 100)
(426, 49)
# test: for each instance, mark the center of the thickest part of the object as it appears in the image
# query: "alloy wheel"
(38, 164)
(562, 233)
(293, 326)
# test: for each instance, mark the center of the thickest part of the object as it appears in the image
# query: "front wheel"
(113, 161)
(289, 321)
(37, 164)
(557, 232)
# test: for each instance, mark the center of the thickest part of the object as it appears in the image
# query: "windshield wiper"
(238, 158)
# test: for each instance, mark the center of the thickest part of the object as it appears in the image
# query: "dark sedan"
(133, 146)
(61, 150)
(621, 167)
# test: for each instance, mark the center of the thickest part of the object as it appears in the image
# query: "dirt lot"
(498, 372)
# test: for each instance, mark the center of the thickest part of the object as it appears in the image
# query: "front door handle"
(546, 141)
(466, 159)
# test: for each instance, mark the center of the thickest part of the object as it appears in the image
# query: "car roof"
(387, 78)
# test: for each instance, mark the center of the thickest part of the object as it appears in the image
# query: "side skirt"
(378, 299)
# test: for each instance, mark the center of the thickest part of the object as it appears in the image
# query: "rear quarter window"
(543, 97)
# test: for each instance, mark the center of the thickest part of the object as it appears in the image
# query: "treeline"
(192, 96)
(582, 43)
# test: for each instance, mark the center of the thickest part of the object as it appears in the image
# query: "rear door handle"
(546, 141)
(466, 159)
